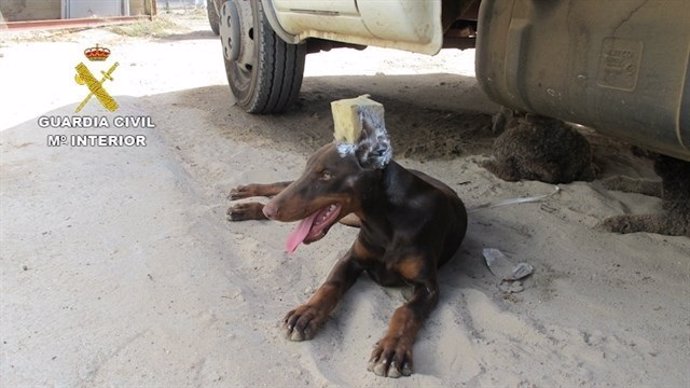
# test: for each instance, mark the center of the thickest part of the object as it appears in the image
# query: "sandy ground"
(118, 267)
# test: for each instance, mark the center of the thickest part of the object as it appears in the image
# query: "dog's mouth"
(313, 227)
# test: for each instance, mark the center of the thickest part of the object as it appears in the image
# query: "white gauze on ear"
(373, 148)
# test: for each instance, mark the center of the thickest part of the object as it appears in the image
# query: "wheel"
(213, 18)
(264, 72)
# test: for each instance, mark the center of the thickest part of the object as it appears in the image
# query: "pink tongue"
(301, 231)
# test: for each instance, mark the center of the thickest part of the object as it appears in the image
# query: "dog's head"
(335, 180)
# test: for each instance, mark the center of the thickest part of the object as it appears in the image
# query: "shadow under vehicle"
(620, 67)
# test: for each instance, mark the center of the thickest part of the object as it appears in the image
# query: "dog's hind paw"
(246, 211)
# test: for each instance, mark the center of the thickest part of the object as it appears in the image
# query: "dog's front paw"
(302, 323)
(241, 192)
(246, 211)
(392, 357)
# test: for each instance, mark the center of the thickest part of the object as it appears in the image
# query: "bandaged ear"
(373, 148)
(359, 130)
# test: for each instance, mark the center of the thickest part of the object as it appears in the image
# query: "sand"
(118, 267)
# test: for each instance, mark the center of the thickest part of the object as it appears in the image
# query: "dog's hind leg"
(630, 185)
(634, 223)
(662, 223)
(257, 190)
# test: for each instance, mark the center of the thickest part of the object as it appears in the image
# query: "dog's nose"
(270, 210)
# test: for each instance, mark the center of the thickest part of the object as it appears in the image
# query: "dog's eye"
(326, 175)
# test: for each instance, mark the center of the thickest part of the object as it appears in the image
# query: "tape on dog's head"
(373, 148)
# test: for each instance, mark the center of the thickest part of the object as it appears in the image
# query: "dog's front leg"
(252, 210)
(392, 355)
(301, 323)
(257, 190)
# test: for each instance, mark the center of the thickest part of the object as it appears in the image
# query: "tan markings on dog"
(351, 220)
(361, 252)
(411, 268)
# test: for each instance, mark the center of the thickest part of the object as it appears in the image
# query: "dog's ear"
(373, 148)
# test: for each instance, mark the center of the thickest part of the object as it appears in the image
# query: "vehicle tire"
(264, 72)
(213, 18)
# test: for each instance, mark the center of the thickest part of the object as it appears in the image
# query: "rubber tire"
(276, 77)
(213, 18)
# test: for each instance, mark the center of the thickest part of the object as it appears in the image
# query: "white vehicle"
(265, 42)
(621, 67)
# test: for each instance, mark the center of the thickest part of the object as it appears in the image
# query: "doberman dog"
(410, 225)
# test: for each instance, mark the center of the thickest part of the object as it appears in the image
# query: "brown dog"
(410, 224)
(542, 149)
(674, 190)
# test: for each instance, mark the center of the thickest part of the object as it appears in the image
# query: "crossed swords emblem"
(85, 77)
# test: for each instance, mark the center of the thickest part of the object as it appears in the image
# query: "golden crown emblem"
(97, 53)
